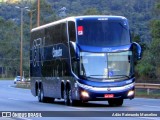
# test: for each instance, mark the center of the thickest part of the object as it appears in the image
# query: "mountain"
(140, 13)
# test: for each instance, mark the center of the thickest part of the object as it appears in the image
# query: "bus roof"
(74, 18)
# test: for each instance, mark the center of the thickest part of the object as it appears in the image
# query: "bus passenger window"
(72, 31)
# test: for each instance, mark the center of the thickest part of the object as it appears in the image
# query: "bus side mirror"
(138, 50)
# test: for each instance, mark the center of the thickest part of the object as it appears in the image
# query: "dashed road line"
(76, 108)
(152, 106)
(149, 118)
(14, 99)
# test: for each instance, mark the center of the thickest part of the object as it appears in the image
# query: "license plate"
(109, 95)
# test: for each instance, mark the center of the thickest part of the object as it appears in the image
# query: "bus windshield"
(102, 33)
(106, 65)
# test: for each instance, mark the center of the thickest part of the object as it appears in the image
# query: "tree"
(155, 45)
(150, 65)
(9, 47)
(46, 13)
(92, 11)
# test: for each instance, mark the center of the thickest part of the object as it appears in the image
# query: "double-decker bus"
(83, 58)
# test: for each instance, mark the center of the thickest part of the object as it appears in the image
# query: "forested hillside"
(139, 12)
(143, 16)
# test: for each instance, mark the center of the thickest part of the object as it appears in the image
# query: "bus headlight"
(130, 93)
(85, 94)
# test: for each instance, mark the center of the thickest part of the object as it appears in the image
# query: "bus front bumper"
(88, 93)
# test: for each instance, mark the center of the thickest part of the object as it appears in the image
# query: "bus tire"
(66, 97)
(71, 101)
(41, 97)
(115, 102)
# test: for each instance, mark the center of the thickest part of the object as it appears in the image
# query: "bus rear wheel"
(66, 97)
(115, 102)
(41, 97)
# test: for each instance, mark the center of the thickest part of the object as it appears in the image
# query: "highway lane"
(17, 99)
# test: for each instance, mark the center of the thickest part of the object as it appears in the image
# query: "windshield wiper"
(110, 77)
(121, 76)
(92, 76)
(96, 75)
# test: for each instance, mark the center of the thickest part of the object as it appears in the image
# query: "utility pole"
(21, 41)
(38, 13)
(21, 49)
(31, 16)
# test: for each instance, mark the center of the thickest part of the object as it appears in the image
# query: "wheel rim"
(42, 95)
(39, 95)
(70, 97)
(65, 97)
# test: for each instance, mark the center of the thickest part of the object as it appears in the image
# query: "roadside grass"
(148, 93)
(6, 78)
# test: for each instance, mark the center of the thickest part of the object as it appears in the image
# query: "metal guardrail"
(137, 85)
(147, 86)
(23, 84)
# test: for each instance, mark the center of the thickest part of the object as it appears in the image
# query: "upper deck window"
(72, 31)
(97, 32)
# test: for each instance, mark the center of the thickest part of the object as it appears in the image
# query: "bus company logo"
(38, 51)
(80, 30)
(108, 89)
(56, 53)
(106, 49)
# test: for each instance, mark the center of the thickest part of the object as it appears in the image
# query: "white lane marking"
(151, 106)
(13, 99)
(149, 118)
(147, 105)
(76, 108)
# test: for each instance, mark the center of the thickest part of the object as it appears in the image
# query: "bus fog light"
(84, 94)
(130, 93)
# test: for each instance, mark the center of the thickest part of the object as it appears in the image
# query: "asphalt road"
(21, 101)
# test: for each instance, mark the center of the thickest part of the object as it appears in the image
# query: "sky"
(10, 1)
(13, 1)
